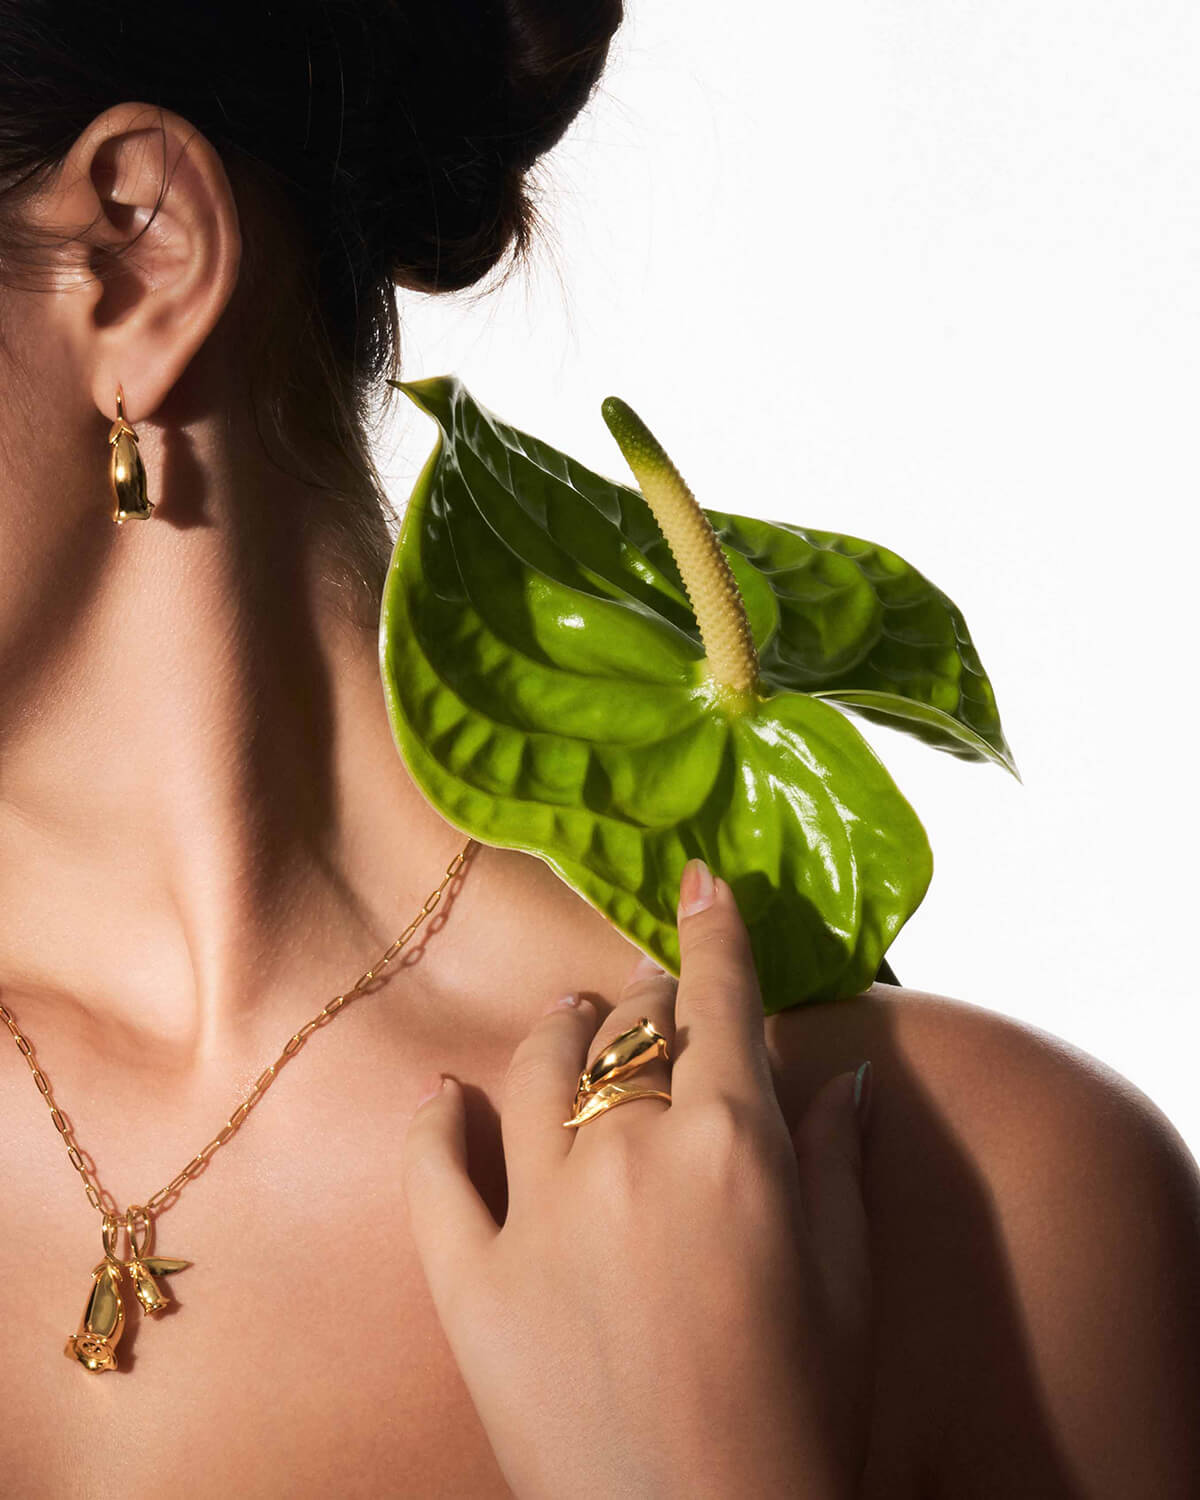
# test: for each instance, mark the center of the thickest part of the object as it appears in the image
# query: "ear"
(141, 177)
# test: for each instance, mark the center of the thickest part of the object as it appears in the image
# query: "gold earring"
(126, 472)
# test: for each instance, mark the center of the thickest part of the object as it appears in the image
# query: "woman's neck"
(201, 806)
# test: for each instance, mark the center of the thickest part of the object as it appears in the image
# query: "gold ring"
(598, 1089)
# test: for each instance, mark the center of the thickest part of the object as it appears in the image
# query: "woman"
(205, 830)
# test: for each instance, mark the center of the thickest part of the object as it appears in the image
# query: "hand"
(678, 1302)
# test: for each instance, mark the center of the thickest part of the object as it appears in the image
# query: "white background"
(928, 274)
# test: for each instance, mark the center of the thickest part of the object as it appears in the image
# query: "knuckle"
(648, 985)
(733, 1139)
(708, 996)
(524, 1071)
(714, 997)
(713, 938)
(721, 949)
(617, 1173)
(719, 1121)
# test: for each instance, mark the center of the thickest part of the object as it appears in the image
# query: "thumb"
(828, 1143)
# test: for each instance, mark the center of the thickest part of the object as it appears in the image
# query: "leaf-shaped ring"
(632, 1049)
(609, 1096)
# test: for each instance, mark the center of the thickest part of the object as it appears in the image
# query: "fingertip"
(697, 888)
(430, 1089)
(447, 1216)
(702, 890)
(437, 1092)
(644, 967)
(823, 1121)
(573, 1003)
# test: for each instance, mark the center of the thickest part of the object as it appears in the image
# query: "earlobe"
(159, 255)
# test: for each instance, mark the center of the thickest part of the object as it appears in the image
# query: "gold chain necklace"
(103, 1322)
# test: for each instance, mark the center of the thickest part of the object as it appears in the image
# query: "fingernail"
(569, 1001)
(696, 888)
(431, 1087)
(645, 968)
(862, 1094)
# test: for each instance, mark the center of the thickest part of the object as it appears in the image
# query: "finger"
(829, 1155)
(451, 1224)
(648, 992)
(538, 1089)
(718, 1008)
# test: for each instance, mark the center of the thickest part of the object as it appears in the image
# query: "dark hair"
(383, 142)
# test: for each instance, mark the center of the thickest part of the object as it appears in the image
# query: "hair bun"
(557, 53)
(477, 95)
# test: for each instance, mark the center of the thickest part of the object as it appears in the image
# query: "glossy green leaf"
(861, 627)
(549, 690)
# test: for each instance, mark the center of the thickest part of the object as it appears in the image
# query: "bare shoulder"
(1037, 1245)
(1012, 1087)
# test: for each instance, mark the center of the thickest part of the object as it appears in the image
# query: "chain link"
(95, 1196)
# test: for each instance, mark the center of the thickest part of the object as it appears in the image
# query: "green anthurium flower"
(616, 681)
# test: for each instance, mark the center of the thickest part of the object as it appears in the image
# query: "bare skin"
(206, 832)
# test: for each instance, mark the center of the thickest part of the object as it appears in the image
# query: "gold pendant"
(95, 1345)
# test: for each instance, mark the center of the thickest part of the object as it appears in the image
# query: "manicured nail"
(862, 1094)
(696, 888)
(431, 1087)
(569, 1001)
(645, 968)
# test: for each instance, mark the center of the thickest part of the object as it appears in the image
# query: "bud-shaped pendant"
(142, 1273)
(95, 1345)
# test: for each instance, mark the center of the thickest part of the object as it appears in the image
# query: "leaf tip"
(435, 395)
